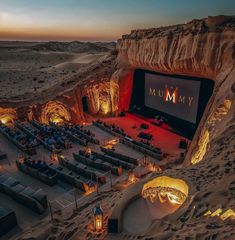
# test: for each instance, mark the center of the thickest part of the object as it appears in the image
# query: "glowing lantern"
(98, 218)
(131, 177)
(54, 157)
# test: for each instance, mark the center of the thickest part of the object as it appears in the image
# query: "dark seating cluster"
(120, 156)
(23, 142)
(36, 200)
(70, 178)
(38, 169)
(80, 132)
(82, 170)
(92, 161)
(113, 129)
(113, 160)
(141, 146)
(52, 136)
(71, 132)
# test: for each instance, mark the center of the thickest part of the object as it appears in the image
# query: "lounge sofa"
(82, 170)
(36, 200)
(70, 178)
(46, 176)
(98, 164)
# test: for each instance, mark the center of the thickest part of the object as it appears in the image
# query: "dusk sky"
(97, 20)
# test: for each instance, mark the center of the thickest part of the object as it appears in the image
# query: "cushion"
(28, 191)
(11, 182)
(18, 188)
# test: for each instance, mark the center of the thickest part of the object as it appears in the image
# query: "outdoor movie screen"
(174, 96)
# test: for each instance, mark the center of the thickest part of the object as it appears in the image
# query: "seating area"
(83, 170)
(80, 133)
(36, 200)
(141, 146)
(72, 179)
(7, 220)
(19, 139)
(72, 134)
(112, 129)
(113, 160)
(92, 161)
(119, 156)
(53, 137)
(37, 169)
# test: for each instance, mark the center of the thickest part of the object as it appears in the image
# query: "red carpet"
(166, 140)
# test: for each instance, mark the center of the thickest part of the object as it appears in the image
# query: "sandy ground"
(21, 68)
(139, 216)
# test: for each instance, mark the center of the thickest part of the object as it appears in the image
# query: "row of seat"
(119, 156)
(52, 136)
(36, 200)
(85, 185)
(72, 135)
(82, 170)
(113, 160)
(132, 144)
(34, 133)
(139, 146)
(23, 143)
(108, 129)
(38, 170)
(97, 163)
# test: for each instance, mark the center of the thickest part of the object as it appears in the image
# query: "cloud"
(9, 19)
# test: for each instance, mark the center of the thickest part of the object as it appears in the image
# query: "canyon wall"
(201, 48)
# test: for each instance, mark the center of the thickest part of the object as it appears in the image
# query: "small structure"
(98, 219)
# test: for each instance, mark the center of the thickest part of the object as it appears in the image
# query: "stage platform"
(163, 138)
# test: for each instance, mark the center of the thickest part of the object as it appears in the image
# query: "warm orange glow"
(89, 188)
(166, 189)
(109, 144)
(55, 112)
(202, 147)
(153, 167)
(229, 214)
(171, 96)
(7, 115)
(54, 157)
(98, 223)
(105, 107)
(131, 177)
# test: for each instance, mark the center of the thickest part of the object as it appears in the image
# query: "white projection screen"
(174, 96)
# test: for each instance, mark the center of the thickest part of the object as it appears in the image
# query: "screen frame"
(186, 128)
(155, 80)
